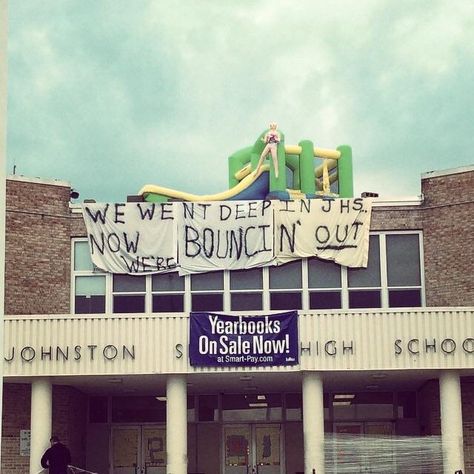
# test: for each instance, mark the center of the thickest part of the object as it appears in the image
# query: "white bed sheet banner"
(138, 238)
(133, 238)
(335, 230)
(230, 235)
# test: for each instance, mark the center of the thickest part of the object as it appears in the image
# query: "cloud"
(113, 95)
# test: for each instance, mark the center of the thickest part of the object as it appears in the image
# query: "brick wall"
(40, 227)
(429, 409)
(448, 228)
(69, 423)
(37, 248)
(16, 417)
(445, 217)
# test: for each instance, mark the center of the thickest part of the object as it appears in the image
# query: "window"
(129, 294)
(393, 278)
(255, 407)
(89, 283)
(246, 289)
(324, 282)
(168, 293)
(363, 406)
(90, 295)
(207, 291)
(364, 283)
(138, 409)
(285, 286)
(403, 270)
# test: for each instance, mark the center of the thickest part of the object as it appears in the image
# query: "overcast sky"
(114, 94)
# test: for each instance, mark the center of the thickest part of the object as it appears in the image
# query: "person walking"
(56, 458)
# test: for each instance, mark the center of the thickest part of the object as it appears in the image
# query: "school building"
(382, 353)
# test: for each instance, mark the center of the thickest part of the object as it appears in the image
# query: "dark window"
(325, 300)
(406, 405)
(89, 294)
(285, 300)
(89, 304)
(246, 301)
(252, 407)
(364, 299)
(129, 303)
(363, 406)
(129, 294)
(208, 408)
(98, 409)
(168, 303)
(138, 409)
(207, 302)
(404, 298)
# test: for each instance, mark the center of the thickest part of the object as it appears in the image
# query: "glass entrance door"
(138, 450)
(252, 449)
(154, 449)
(125, 450)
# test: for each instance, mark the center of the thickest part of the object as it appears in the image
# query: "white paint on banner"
(224, 235)
(335, 229)
(133, 237)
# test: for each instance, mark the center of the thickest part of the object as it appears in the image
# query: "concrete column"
(41, 421)
(176, 425)
(313, 423)
(451, 421)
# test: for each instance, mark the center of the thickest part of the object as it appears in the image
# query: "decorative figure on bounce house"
(271, 139)
(300, 176)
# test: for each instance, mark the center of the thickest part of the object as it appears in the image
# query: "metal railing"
(71, 470)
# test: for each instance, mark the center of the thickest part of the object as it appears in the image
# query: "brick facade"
(16, 417)
(38, 248)
(448, 226)
(40, 226)
(69, 423)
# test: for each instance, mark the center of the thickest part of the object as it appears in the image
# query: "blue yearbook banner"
(219, 340)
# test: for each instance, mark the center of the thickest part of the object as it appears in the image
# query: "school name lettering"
(448, 345)
(330, 347)
(66, 353)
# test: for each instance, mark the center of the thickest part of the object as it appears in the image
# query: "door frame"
(252, 429)
(140, 428)
(111, 444)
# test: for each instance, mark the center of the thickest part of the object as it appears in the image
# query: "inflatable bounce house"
(302, 171)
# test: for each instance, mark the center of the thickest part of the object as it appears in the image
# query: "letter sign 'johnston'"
(219, 340)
